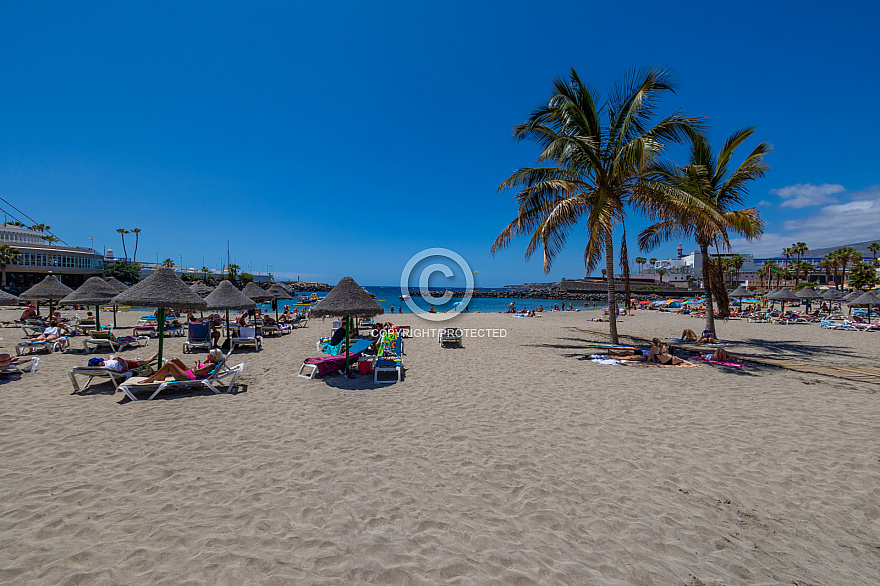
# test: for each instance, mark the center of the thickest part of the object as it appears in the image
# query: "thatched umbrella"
(161, 289)
(119, 286)
(808, 293)
(7, 299)
(278, 291)
(227, 296)
(832, 295)
(783, 295)
(94, 291)
(257, 293)
(201, 289)
(852, 295)
(868, 298)
(348, 299)
(740, 292)
(49, 289)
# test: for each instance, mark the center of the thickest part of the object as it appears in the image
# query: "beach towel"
(603, 359)
(329, 364)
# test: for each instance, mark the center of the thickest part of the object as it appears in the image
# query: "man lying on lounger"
(119, 364)
(180, 372)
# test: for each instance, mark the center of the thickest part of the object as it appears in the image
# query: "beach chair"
(389, 358)
(326, 365)
(106, 338)
(29, 347)
(449, 336)
(199, 336)
(271, 330)
(20, 366)
(221, 376)
(247, 335)
(97, 372)
(299, 321)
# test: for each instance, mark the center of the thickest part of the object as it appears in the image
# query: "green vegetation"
(698, 202)
(596, 151)
(863, 275)
(126, 271)
(8, 256)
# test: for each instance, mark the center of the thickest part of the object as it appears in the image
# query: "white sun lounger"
(27, 365)
(247, 335)
(97, 372)
(212, 381)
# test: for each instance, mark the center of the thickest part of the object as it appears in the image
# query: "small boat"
(314, 297)
(404, 297)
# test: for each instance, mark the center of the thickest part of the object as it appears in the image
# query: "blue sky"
(333, 139)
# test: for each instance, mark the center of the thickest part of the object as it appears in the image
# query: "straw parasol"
(227, 296)
(783, 295)
(49, 289)
(852, 295)
(868, 298)
(740, 292)
(201, 289)
(257, 293)
(808, 293)
(278, 291)
(94, 291)
(161, 289)
(832, 295)
(119, 286)
(348, 299)
(7, 299)
(116, 284)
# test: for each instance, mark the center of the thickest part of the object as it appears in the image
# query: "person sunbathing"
(242, 319)
(707, 337)
(176, 368)
(285, 318)
(29, 313)
(718, 356)
(119, 364)
(51, 333)
(269, 320)
(638, 355)
(688, 335)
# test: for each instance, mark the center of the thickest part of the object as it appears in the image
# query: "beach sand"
(512, 460)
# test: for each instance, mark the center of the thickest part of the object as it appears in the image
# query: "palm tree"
(653, 262)
(661, 271)
(8, 256)
(787, 253)
(641, 260)
(233, 271)
(800, 249)
(874, 247)
(699, 203)
(848, 255)
(137, 233)
(833, 259)
(168, 263)
(122, 233)
(825, 264)
(39, 227)
(597, 152)
(50, 238)
(737, 261)
(205, 271)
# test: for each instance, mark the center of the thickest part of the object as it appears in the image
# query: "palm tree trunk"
(3, 268)
(612, 293)
(134, 257)
(707, 284)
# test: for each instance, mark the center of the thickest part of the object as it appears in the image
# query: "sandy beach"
(513, 460)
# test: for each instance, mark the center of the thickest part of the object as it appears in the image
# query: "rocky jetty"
(308, 286)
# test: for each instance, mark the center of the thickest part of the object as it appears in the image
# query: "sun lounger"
(199, 336)
(389, 358)
(326, 365)
(449, 336)
(97, 372)
(247, 335)
(221, 376)
(106, 338)
(28, 347)
(18, 366)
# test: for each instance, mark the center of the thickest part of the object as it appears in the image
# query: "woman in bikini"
(179, 371)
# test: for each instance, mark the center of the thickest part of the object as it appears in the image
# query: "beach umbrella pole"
(227, 328)
(114, 316)
(97, 318)
(347, 343)
(161, 320)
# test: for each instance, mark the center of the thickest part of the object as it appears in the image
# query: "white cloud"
(833, 225)
(764, 204)
(805, 194)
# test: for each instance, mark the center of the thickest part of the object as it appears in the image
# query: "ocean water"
(388, 296)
